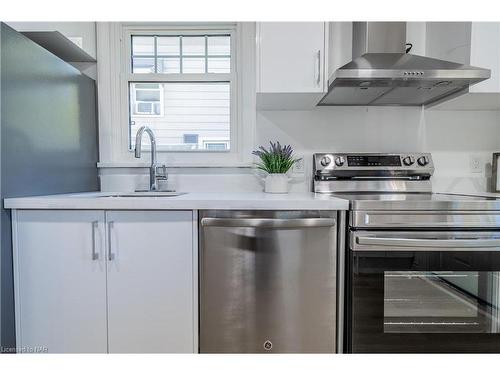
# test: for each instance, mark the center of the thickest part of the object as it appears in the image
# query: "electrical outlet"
(298, 167)
(475, 164)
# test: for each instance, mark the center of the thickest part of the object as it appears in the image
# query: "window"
(215, 146)
(181, 54)
(181, 86)
(147, 99)
(218, 105)
(191, 138)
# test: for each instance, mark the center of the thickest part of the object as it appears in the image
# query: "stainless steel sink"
(143, 194)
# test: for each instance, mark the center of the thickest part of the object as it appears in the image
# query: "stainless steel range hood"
(382, 73)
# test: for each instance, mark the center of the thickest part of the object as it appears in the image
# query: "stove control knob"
(423, 161)
(339, 161)
(409, 160)
(325, 161)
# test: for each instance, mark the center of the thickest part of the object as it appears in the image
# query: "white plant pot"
(276, 183)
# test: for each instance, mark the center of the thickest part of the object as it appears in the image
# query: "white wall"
(451, 136)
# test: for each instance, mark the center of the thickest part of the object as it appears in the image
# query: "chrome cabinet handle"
(318, 77)
(95, 254)
(111, 256)
(426, 243)
(268, 223)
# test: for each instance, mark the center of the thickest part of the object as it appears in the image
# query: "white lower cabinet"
(105, 281)
(60, 281)
(150, 282)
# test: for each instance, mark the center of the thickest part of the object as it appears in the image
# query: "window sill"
(128, 164)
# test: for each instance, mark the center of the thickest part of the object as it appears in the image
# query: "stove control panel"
(373, 160)
(333, 165)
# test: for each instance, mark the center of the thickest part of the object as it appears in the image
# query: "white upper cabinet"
(485, 53)
(474, 43)
(291, 60)
(292, 56)
(450, 41)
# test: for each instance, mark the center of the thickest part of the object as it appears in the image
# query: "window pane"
(193, 45)
(144, 107)
(181, 54)
(189, 109)
(147, 95)
(191, 138)
(219, 65)
(219, 45)
(146, 99)
(215, 146)
(147, 86)
(143, 65)
(193, 65)
(169, 65)
(143, 45)
(168, 45)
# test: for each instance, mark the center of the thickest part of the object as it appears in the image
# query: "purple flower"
(276, 159)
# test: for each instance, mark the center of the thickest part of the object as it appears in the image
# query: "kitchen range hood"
(382, 73)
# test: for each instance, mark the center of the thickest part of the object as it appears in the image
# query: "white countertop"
(189, 201)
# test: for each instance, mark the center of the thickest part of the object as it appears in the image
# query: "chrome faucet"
(156, 171)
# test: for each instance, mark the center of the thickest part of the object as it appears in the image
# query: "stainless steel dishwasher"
(267, 281)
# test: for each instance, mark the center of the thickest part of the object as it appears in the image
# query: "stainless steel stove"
(422, 269)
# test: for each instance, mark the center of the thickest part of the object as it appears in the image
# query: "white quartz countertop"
(188, 201)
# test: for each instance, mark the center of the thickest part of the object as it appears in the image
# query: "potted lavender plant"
(276, 162)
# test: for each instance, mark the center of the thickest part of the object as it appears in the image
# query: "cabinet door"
(291, 57)
(60, 281)
(449, 41)
(485, 53)
(150, 281)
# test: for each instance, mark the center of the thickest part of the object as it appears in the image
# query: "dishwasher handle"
(429, 243)
(315, 222)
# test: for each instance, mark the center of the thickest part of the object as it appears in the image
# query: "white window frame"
(114, 73)
(131, 77)
(207, 142)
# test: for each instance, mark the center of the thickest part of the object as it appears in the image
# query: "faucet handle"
(161, 172)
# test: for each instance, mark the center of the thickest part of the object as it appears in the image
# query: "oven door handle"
(469, 243)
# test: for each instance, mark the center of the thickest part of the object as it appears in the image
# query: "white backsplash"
(451, 136)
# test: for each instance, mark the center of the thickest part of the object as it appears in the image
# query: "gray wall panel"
(48, 138)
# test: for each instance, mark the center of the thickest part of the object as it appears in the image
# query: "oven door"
(431, 292)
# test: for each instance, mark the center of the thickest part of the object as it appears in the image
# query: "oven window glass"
(441, 302)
